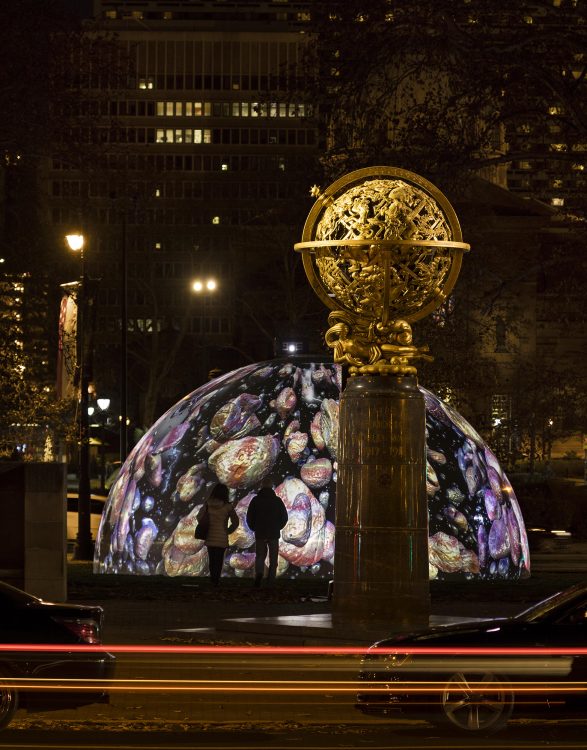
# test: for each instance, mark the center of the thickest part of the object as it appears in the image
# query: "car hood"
(447, 633)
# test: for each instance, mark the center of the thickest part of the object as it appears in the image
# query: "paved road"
(282, 735)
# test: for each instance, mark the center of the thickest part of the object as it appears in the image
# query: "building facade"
(199, 156)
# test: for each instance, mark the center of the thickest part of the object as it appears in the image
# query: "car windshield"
(11, 595)
(546, 607)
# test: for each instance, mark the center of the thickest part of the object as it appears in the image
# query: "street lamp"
(199, 286)
(84, 545)
(207, 286)
(103, 404)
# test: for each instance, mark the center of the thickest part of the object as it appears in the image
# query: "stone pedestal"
(381, 556)
(33, 512)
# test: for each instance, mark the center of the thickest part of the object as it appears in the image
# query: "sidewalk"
(174, 611)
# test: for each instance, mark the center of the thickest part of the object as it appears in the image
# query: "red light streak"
(297, 650)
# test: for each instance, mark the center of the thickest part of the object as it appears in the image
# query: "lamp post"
(84, 545)
(103, 404)
(204, 287)
(123, 346)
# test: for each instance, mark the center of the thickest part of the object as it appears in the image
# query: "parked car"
(479, 692)
(27, 621)
(96, 507)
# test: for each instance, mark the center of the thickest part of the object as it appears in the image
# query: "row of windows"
(555, 165)
(171, 217)
(180, 189)
(233, 136)
(236, 136)
(234, 82)
(142, 108)
(230, 109)
(212, 325)
(253, 14)
(191, 163)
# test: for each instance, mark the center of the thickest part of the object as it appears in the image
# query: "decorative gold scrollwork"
(373, 349)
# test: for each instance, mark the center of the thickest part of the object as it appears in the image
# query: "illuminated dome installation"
(280, 419)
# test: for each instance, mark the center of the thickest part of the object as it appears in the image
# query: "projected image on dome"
(280, 419)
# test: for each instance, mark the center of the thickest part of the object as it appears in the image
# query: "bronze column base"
(381, 544)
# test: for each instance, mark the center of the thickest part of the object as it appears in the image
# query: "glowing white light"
(75, 241)
(211, 285)
(197, 286)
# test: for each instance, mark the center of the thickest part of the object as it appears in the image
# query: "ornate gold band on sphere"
(381, 244)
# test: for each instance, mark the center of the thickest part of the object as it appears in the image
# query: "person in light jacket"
(223, 520)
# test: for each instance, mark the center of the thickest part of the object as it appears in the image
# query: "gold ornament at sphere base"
(378, 349)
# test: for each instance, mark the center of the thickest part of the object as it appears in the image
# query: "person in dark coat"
(266, 516)
(223, 520)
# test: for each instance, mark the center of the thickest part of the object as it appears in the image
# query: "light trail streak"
(276, 686)
(299, 650)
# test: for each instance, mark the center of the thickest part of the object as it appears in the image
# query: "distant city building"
(208, 146)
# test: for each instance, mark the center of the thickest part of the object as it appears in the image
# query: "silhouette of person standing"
(266, 516)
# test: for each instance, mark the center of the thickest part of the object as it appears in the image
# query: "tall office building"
(195, 181)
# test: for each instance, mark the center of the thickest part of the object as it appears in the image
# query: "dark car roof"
(543, 610)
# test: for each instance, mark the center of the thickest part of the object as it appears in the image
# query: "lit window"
(157, 192)
(187, 134)
(169, 135)
(273, 109)
(197, 109)
(524, 165)
(557, 183)
(207, 109)
(555, 111)
(245, 109)
(578, 167)
(224, 167)
(528, 19)
(235, 109)
(283, 110)
(558, 146)
(557, 201)
(160, 135)
(301, 110)
(254, 109)
(188, 109)
(145, 83)
(197, 136)
(160, 109)
(216, 220)
(157, 246)
(207, 136)
(179, 108)
(169, 109)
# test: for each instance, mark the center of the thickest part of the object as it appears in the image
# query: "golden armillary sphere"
(382, 247)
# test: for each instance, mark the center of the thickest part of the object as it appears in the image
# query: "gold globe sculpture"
(382, 247)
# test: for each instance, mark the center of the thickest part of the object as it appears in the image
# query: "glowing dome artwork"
(280, 419)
